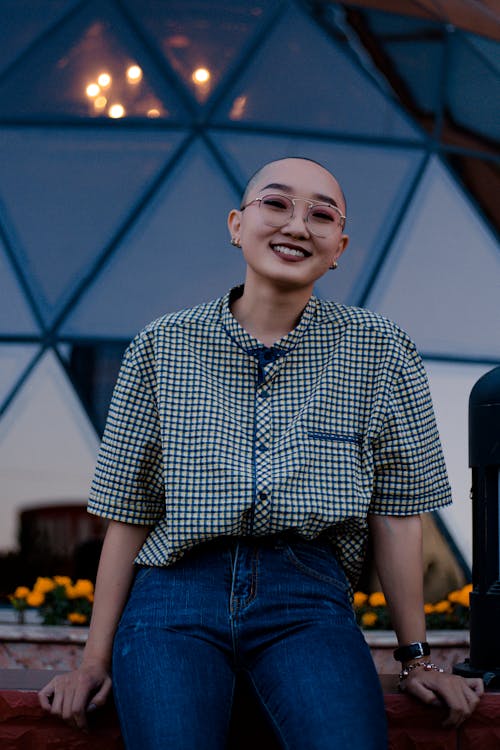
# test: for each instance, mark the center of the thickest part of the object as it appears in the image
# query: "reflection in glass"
(197, 37)
(94, 369)
(91, 57)
(92, 90)
(134, 74)
(116, 111)
(104, 80)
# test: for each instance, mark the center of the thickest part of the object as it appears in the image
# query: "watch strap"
(414, 650)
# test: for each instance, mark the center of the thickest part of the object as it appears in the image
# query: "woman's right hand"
(72, 695)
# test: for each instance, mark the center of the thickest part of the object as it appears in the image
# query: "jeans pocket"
(317, 561)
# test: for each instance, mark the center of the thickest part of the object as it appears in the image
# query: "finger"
(67, 703)
(45, 697)
(476, 684)
(471, 697)
(99, 699)
(57, 701)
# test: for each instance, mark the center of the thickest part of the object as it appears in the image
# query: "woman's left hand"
(460, 694)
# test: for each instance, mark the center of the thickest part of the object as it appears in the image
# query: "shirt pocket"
(338, 472)
(338, 437)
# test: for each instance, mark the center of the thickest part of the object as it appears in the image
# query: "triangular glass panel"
(451, 384)
(178, 254)
(48, 447)
(301, 78)
(201, 41)
(24, 22)
(94, 67)
(488, 48)
(441, 279)
(15, 313)
(361, 170)
(473, 90)
(67, 192)
(14, 359)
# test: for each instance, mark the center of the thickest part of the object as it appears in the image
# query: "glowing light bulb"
(104, 80)
(201, 75)
(116, 111)
(153, 112)
(134, 74)
(92, 90)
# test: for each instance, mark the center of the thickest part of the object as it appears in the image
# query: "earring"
(235, 242)
(333, 266)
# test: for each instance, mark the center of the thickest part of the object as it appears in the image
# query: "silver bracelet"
(429, 666)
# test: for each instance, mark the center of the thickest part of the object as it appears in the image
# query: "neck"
(268, 313)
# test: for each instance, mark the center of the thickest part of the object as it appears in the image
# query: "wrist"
(427, 666)
(410, 652)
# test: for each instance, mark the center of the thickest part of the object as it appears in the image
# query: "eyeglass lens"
(277, 210)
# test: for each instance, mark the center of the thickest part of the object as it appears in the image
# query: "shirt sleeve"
(409, 471)
(128, 483)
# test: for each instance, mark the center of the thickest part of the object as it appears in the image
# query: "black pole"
(484, 460)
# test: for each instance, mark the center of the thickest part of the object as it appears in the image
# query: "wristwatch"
(414, 650)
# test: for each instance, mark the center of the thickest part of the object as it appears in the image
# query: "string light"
(116, 111)
(153, 113)
(201, 75)
(100, 102)
(134, 74)
(92, 90)
(104, 80)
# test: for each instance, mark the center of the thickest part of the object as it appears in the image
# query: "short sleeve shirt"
(212, 434)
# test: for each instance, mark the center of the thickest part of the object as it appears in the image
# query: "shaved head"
(256, 178)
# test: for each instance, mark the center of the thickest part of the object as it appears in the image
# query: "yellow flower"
(35, 598)
(77, 619)
(377, 599)
(62, 580)
(359, 599)
(442, 607)
(369, 619)
(44, 585)
(428, 609)
(464, 595)
(21, 592)
(82, 588)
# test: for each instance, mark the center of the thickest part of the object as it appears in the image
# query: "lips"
(290, 252)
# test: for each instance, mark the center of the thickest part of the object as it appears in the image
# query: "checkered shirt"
(212, 434)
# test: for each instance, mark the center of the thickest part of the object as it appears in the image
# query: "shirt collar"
(249, 343)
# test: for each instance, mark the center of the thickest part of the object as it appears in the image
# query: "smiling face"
(290, 256)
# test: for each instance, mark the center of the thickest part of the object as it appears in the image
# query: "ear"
(343, 242)
(234, 222)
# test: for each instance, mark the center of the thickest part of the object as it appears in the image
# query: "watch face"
(412, 651)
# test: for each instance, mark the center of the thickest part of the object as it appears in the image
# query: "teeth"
(289, 251)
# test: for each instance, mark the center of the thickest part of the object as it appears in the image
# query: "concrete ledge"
(35, 646)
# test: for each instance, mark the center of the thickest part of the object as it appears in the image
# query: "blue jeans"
(275, 608)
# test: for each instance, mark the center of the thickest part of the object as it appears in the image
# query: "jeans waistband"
(268, 541)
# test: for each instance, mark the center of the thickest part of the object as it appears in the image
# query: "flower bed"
(451, 613)
(58, 600)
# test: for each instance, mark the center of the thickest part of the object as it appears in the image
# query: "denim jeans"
(275, 608)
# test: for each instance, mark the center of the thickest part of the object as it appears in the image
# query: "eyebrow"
(288, 189)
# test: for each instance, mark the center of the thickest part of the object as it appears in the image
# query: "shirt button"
(263, 394)
(262, 495)
(262, 447)
(267, 356)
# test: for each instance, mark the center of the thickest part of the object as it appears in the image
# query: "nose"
(297, 224)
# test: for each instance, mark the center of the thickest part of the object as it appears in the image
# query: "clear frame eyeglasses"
(323, 219)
